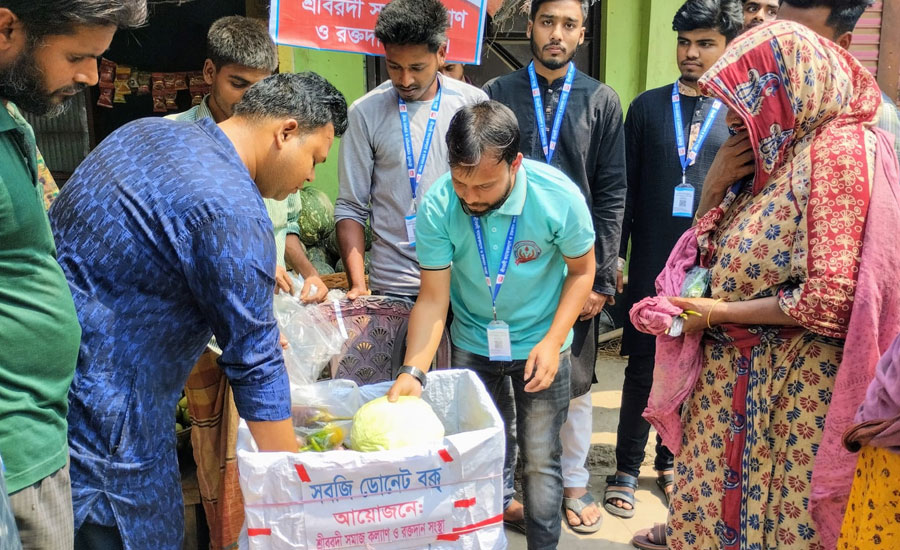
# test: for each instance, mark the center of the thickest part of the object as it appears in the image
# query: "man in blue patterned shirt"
(164, 239)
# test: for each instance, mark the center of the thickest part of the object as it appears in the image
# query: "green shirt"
(39, 330)
(284, 214)
(553, 222)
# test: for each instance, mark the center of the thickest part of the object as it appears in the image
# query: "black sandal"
(664, 481)
(620, 480)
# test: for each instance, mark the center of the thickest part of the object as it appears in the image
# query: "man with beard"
(757, 12)
(672, 136)
(580, 132)
(48, 53)
(512, 222)
(387, 159)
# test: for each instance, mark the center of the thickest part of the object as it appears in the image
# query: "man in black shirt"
(665, 187)
(580, 132)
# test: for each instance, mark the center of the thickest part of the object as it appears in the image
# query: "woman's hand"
(700, 313)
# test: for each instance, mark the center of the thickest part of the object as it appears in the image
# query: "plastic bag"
(9, 536)
(323, 406)
(312, 339)
(696, 283)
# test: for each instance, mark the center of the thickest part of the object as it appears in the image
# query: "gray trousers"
(43, 513)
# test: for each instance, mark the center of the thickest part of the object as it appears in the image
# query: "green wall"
(347, 71)
(637, 45)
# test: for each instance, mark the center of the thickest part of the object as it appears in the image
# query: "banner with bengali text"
(348, 26)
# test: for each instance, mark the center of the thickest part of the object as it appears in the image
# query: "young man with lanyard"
(511, 222)
(392, 151)
(677, 145)
(48, 54)
(835, 20)
(574, 123)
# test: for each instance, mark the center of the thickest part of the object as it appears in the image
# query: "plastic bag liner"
(337, 398)
(441, 496)
(312, 339)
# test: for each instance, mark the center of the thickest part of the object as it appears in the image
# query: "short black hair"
(59, 17)
(413, 22)
(306, 97)
(536, 4)
(844, 13)
(487, 127)
(238, 40)
(725, 16)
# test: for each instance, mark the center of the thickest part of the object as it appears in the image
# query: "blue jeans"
(537, 419)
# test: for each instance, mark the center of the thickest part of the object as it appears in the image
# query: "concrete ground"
(650, 508)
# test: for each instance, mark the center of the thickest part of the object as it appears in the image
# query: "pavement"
(650, 508)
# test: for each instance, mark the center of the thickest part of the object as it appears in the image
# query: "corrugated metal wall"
(63, 140)
(867, 37)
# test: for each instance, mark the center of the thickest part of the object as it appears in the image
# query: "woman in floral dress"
(784, 252)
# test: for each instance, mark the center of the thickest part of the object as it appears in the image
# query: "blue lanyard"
(550, 148)
(688, 157)
(415, 172)
(504, 261)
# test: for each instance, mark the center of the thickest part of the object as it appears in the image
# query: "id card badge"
(683, 201)
(410, 221)
(499, 348)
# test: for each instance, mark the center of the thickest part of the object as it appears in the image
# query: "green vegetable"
(380, 425)
(317, 254)
(325, 439)
(322, 267)
(316, 215)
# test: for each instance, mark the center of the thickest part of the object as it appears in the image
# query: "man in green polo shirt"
(510, 243)
(48, 53)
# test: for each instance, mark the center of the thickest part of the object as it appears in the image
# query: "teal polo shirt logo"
(526, 251)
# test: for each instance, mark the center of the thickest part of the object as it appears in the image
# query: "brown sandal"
(642, 538)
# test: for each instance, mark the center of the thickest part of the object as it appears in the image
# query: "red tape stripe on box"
(465, 503)
(301, 471)
(445, 456)
(258, 532)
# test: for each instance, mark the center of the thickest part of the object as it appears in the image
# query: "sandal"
(516, 525)
(664, 482)
(642, 538)
(577, 505)
(620, 480)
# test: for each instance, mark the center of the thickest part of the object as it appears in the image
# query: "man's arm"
(426, 326)
(633, 145)
(356, 164)
(543, 361)
(229, 268)
(352, 242)
(608, 189)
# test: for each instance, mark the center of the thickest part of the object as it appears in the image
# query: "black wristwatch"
(414, 372)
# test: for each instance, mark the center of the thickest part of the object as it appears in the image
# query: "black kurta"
(654, 170)
(591, 151)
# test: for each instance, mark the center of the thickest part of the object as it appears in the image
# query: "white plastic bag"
(312, 339)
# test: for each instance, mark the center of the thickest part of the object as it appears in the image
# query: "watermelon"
(339, 266)
(316, 215)
(330, 243)
(317, 254)
(368, 233)
(322, 267)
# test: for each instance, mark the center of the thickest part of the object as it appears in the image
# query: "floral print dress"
(752, 425)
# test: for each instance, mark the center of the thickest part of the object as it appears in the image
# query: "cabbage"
(380, 425)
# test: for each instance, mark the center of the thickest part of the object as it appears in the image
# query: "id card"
(499, 348)
(410, 229)
(683, 202)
